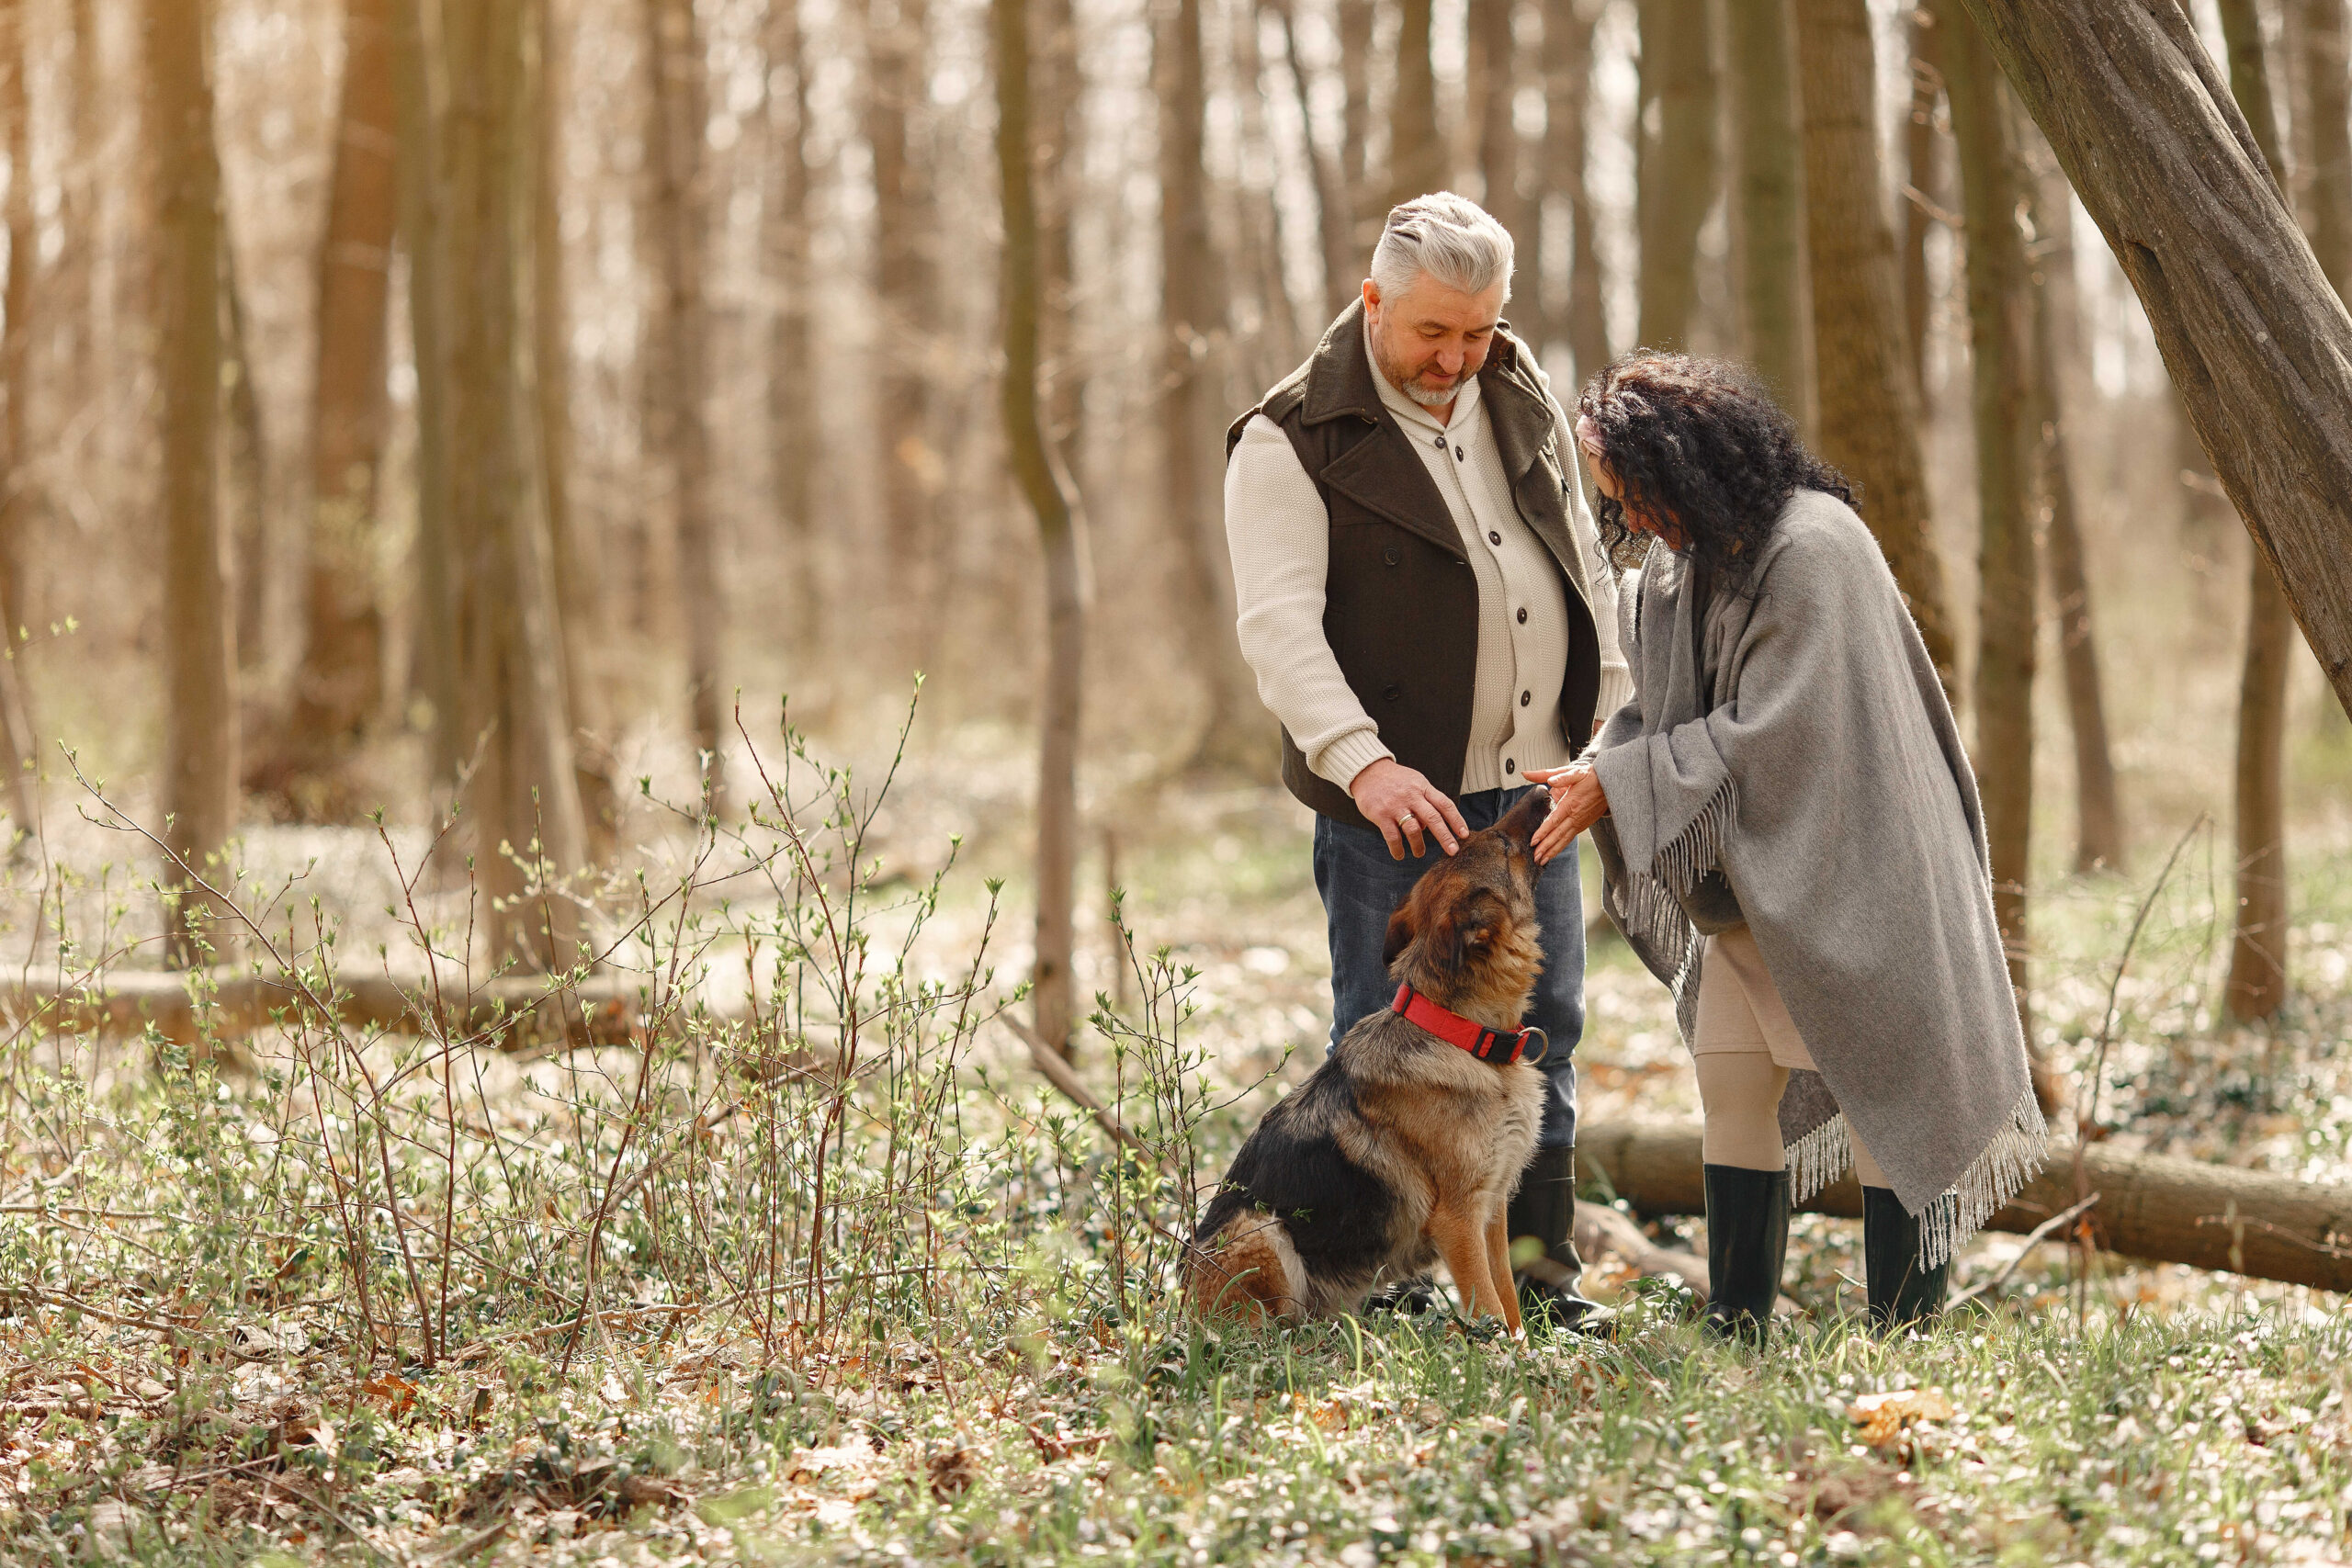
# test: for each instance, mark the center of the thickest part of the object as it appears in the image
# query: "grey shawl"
(1791, 763)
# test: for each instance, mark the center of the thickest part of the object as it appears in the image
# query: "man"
(1422, 598)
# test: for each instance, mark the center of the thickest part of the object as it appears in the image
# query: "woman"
(1792, 841)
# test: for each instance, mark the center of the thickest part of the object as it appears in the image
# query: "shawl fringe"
(1653, 895)
(2009, 1162)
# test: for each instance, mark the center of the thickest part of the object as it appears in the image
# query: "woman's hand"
(1578, 803)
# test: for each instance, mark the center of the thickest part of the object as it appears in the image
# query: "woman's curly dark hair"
(1699, 447)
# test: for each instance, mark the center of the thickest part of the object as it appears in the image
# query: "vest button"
(1390, 556)
(1393, 692)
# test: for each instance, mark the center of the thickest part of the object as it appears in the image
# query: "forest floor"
(785, 1290)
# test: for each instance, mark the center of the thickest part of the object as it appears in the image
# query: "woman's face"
(1637, 518)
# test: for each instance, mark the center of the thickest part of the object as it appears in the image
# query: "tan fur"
(1445, 1133)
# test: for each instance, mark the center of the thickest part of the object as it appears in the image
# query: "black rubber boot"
(1543, 1212)
(1748, 1241)
(1902, 1292)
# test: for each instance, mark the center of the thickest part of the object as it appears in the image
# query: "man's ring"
(1407, 820)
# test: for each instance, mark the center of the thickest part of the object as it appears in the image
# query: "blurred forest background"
(399, 392)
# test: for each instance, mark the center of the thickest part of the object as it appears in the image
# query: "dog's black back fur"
(1339, 1214)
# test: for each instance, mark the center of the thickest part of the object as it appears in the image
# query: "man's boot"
(1902, 1292)
(1543, 1212)
(1748, 1241)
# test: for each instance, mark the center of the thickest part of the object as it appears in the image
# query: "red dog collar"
(1499, 1046)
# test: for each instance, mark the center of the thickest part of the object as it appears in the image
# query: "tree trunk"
(2169, 1211)
(2000, 342)
(2099, 816)
(1355, 21)
(673, 409)
(1494, 81)
(1060, 529)
(79, 302)
(418, 97)
(791, 446)
(2257, 979)
(245, 476)
(1674, 173)
(2328, 92)
(1921, 144)
(1580, 321)
(16, 744)
(338, 686)
(1867, 397)
(1192, 321)
(1059, 180)
(1770, 206)
(200, 793)
(1342, 273)
(897, 89)
(1417, 156)
(510, 634)
(2256, 339)
(1276, 346)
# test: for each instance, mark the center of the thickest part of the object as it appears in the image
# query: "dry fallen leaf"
(1883, 1416)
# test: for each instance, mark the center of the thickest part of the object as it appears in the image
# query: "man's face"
(1429, 339)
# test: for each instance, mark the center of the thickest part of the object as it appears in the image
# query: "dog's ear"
(1400, 933)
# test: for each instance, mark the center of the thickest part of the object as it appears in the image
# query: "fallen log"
(517, 1010)
(2150, 1206)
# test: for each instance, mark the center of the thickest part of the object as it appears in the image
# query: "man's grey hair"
(1452, 238)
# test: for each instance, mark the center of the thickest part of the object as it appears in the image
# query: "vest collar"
(1499, 1047)
(1340, 382)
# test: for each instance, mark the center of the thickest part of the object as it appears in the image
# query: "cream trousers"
(1745, 1049)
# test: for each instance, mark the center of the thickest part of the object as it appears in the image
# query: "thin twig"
(2033, 1239)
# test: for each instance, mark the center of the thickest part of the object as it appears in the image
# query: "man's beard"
(1428, 397)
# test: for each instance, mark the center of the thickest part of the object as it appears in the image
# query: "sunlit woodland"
(646, 887)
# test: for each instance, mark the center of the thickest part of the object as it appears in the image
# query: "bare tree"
(1867, 398)
(791, 446)
(200, 794)
(17, 752)
(1417, 156)
(1574, 279)
(338, 685)
(2258, 342)
(1192, 324)
(522, 799)
(1061, 530)
(2000, 339)
(2327, 97)
(2099, 815)
(673, 409)
(2257, 978)
(1922, 147)
(1334, 215)
(1676, 174)
(1355, 21)
(905, 218)
(1493, 93)
(1771, 205)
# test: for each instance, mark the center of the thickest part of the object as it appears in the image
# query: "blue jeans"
(1361, 888)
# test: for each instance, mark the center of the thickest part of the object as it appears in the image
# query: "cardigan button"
(1393, 692)
(1522, 615)
(1525, 698)
(1392, 558)
(1493, 538)
(1510, 764)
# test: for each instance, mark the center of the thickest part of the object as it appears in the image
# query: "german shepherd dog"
(1408, 1142)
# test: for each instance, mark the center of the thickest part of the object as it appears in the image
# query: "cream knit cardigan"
(1278, 531)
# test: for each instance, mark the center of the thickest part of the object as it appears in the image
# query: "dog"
(1407, 1143)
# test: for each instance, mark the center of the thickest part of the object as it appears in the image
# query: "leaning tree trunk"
(2257, 979)
(1868, 400)
(1417, 159)
(1921, 143)
(1193, 326)
(1341, 274)
(2000, 345)
(2098, 816)
(338, 685)
(677, 126)
(17, 753)
(1579, 321)
(200, 793)
(1771, 205)
(2258, 342)
(1676, 173)
(1060, 529)
(523, 802)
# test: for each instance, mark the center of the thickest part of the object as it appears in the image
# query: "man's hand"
(1576, 804)
(1402, 803)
